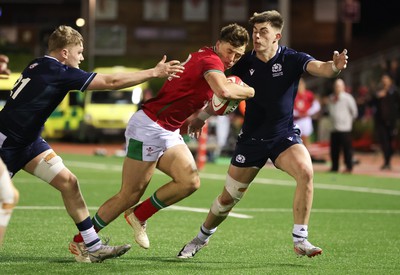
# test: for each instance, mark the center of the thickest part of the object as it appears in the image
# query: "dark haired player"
(268, 131)
(153, 139)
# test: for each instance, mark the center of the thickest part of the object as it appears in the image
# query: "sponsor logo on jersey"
(251, 71)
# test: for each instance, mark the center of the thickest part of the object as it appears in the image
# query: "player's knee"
(220, 209)
(191, 183)
(194, 184)
(222, 205)
(305, 174)
(10, 204)
(7, 206)
(8, 193)
(49, 167)
(69, 182)
(235, 188)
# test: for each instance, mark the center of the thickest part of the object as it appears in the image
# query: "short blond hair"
(64, 36)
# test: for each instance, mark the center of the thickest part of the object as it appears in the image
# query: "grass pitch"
(355, 219)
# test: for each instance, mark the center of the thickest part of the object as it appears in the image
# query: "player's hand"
(340, 59)
(168, 69)
(194, 128)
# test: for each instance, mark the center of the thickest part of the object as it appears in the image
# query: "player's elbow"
(251, 92)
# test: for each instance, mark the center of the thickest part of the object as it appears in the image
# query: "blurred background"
(136, 33)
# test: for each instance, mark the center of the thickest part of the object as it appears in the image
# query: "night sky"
(377, 17)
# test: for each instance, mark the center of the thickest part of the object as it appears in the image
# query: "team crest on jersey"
(277, 70)
(240, 158)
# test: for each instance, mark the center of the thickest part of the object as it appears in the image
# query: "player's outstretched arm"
(122, 80)
(329, 68)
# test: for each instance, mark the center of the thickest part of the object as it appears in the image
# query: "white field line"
(266, 181)
(236, 215)
(171, 208)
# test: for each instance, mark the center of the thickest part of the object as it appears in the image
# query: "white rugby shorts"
(146, 140)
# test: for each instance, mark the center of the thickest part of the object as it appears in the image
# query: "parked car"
(65, 120)
(106, 112)
(5, 87)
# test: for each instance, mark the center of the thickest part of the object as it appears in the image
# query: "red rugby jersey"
(180, 97)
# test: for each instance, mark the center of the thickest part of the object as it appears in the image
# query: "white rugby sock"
(91, 239)
(300, 232)
(205, 234)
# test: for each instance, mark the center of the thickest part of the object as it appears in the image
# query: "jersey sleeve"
(77, 79)
(212, 63)
(304, 58)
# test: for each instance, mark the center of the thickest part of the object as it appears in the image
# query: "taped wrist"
(203, 115)
(335, 69)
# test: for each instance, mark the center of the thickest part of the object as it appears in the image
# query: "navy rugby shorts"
(16, 156)
(255, 153)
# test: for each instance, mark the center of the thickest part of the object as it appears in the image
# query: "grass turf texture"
(354, 220)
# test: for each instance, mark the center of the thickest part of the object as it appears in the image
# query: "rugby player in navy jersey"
(268, 131)
(41, 87)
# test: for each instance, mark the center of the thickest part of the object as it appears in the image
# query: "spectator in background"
(361, 98)
(394, 71)
(324, 121)
(385, 104)
(343, 111)
(305, 106)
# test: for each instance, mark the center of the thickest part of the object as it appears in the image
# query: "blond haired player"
(42, 85)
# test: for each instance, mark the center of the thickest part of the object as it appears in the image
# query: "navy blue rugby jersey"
(269, 114)
(42, 86)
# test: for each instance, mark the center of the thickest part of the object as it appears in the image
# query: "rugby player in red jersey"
(153, 139)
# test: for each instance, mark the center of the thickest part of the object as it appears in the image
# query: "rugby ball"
(223, 106)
